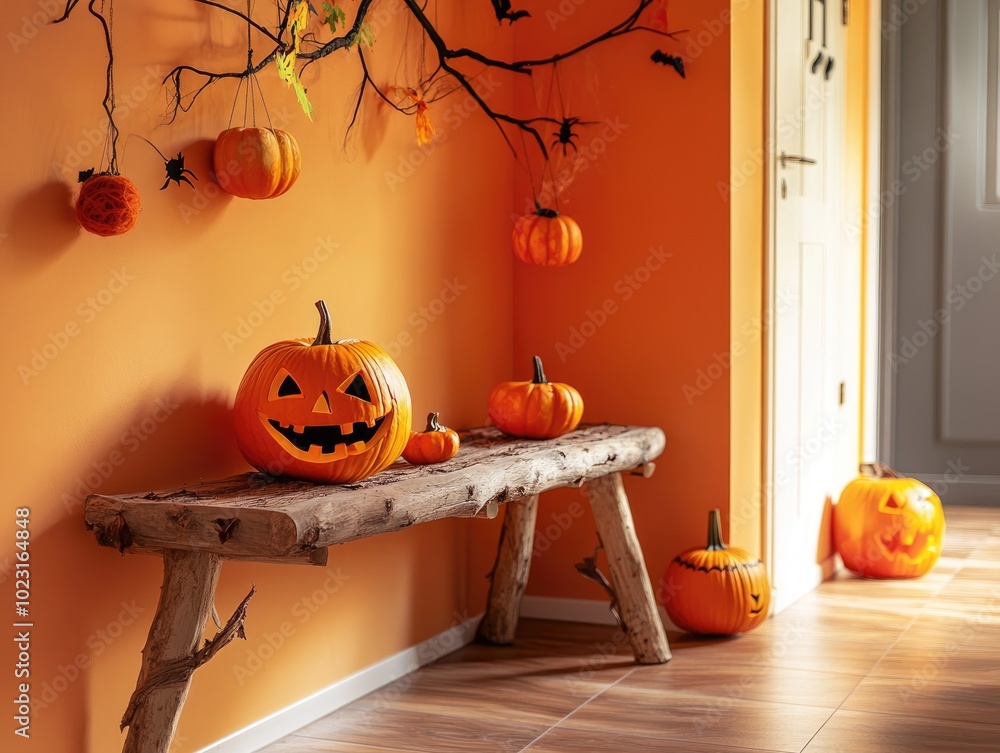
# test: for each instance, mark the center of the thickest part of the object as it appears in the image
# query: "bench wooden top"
(254, 516)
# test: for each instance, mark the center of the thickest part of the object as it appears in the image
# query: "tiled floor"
(856, 667)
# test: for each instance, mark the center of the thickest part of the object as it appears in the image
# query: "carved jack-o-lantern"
(718, 590)
(325, 411)
(888, 526)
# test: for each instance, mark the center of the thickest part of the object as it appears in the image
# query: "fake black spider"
(175, 167)
(566, 135)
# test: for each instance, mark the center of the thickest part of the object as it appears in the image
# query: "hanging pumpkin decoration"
(435, 444)
(108, 204)
(538, 409)
(256, 163)
(718, 590)
(322, 410)
(888, 526)
(547, 238)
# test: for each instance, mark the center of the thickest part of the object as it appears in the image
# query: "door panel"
(815, 341)
(942, 356)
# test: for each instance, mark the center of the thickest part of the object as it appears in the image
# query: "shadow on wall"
(824, 545)
(42, 225)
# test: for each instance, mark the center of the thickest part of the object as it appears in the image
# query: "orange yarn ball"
(108, 205)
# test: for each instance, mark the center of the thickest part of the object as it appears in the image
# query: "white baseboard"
(576, 610)
(345, 691)
(286, 721)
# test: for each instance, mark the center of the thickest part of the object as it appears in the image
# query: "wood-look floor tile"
(947, 662)
(754, 682)
(424, 732)
(927, 699)
(861, 732)
(532, 699)
(299, 744)
(565, 740)
(700, 718)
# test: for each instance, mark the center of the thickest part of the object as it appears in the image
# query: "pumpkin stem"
(715, 542)
(543, 212)
(323, 336)
(539, 372)
(879, 470)
(432, 422)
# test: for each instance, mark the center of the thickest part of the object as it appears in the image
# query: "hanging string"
(250, 95)
(111, 139)
(527, 167)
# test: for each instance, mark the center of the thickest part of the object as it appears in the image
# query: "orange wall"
(651, 186)
(149, 376)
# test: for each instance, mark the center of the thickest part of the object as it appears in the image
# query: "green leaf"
(334, 17)
(364, 36)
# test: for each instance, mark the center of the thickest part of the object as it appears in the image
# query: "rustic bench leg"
(510, 573)
(629, 578)
(189, 581)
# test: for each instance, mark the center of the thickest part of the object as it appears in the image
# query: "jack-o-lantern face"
(718, 590)
(332, 412)
(888, 526)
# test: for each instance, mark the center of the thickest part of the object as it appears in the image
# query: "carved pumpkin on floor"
(322, 410)
(718, 590)
(888, 526)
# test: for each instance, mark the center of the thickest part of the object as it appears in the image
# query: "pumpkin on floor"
(108, 204)
(538, 409)
(435, 444)
(547, 238)
(322, 410)
(718, 590)
(888, 526)
(256, 163)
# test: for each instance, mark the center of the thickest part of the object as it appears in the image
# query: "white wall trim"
(291, 718)
(587, 611)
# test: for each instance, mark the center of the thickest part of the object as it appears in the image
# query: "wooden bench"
(262, 519)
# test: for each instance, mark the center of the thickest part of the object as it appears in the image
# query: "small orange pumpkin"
(547, 238)
(435, 444)
(538, 409)
(888, 526)
(717, 590)
(256, 163)
(324, 411)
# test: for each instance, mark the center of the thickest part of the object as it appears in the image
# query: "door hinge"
(843, 393)
(846, 11)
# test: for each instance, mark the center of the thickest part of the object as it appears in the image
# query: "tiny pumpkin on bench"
(435, 444)
(547, 238)
(322, 410)
(538, 409)
(718, 590)
(888, 526)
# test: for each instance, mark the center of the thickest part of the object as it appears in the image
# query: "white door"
(814, 283)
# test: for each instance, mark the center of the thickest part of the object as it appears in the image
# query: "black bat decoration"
(85, 175)
(175, 167)
(502, 8)
(673, 61)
